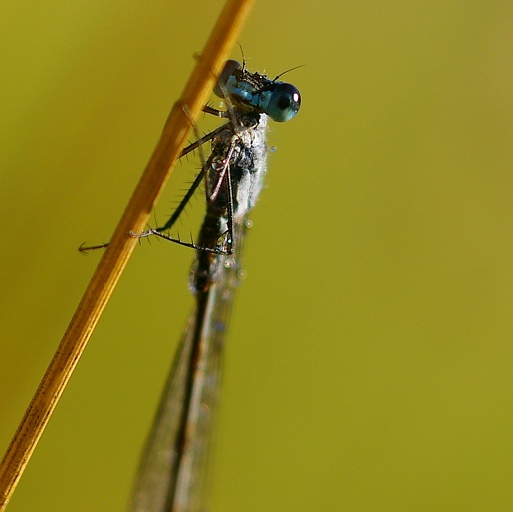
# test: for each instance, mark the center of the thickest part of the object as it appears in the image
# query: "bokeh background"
(370, 358)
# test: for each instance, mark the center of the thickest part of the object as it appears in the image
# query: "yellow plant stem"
(135, 217)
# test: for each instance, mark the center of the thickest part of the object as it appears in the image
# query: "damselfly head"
(256, 92)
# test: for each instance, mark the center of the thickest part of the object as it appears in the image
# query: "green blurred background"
(370, 359)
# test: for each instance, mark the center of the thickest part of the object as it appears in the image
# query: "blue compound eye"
(284, 103)
(229, 67)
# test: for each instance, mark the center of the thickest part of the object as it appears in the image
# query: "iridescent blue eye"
(284, 102)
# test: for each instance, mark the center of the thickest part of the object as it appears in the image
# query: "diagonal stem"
(116, 256)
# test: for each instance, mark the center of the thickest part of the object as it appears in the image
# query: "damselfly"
(172, 470)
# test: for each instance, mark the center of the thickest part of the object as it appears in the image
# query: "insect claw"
(84, 249)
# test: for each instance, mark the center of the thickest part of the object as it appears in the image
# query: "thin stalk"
(116, 256)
